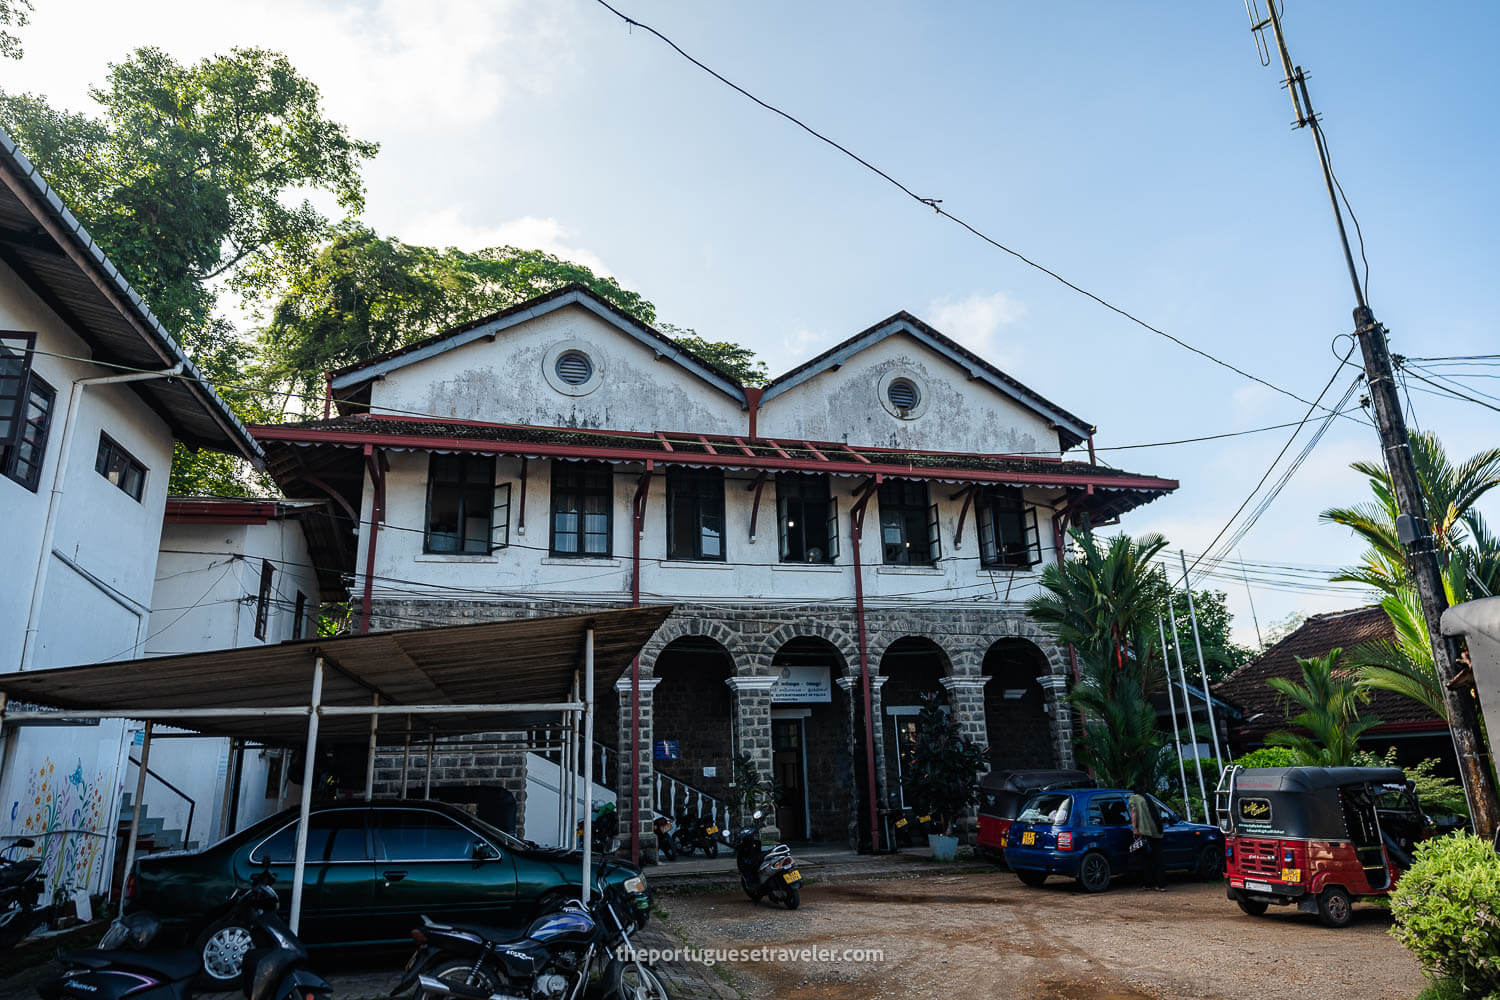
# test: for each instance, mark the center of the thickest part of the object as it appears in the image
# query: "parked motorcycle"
(770, 874)
(275, 968)
(666, 840)
(698, 833)
(555, 958)
(20, 890)
(604, 829)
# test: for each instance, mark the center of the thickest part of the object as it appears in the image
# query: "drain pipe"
(856, 530)
(59, 470)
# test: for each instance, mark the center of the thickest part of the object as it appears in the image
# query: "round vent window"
(903, 394)
(574, 367)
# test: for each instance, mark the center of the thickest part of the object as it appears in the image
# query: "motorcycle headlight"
(636, 885)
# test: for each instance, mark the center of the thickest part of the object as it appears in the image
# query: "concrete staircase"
(154, 836)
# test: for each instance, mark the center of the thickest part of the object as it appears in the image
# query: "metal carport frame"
(296, 693)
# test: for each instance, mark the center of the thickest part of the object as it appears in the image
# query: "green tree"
(364, 294)
(1330, 718)
(1103, 594)
(740, 363)
(1120, 741)
(1220, 652)
(17, 14)
(1450, 492)
(188, 177)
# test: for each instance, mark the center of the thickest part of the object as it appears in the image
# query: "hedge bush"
(1447, 912)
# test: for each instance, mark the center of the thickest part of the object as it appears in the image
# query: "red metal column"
(856, 529)
(375, 464)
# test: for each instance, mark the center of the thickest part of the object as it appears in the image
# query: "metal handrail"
(187, 831)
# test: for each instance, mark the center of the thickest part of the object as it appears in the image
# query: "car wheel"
(1211, 862)
(1253, 907)
(629, 981)
(455, 970)
(1031, 877)
(1094, 872)
(1335, 907)
(221, 950)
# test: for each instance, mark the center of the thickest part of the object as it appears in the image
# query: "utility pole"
(1412, 525)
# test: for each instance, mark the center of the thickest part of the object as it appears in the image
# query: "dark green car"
(372, 869)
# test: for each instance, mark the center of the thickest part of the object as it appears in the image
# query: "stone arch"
(840, 641)
(679, 628)
(877, 644)
(1020, 628)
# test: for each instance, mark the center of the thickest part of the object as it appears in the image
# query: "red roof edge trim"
(220, 511)
(633, 454)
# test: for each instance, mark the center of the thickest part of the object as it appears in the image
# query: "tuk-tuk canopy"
(1301, 802)
(1001, 793)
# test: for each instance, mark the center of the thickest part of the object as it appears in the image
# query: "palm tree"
(1330, 700)
(1121, 743)
(1104, 596)
(1450, 493)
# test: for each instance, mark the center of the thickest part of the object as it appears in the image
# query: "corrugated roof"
(530, 660)
(58, 260)
(1247, 687)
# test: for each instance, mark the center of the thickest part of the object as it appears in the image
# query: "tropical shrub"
(944, 777)
(1447, 912)
(1330, 701)
(1268, 757)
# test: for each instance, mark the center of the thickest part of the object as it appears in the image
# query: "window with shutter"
(695, 514)
(908, 524)
(460, 504)
(263, 599)
(582, 509)
(26, 404)
(116, 464)
(808, 522)
(500, 518)
(1008, 535)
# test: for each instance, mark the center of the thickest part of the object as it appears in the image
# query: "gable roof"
(51, 252)
(1071, 429)
(487, 327)
(1265, 710)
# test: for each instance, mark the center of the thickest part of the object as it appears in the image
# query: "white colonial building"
(860, 531)
(93, 395)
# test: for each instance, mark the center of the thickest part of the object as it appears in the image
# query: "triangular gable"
(1071, 429)
(488, 327)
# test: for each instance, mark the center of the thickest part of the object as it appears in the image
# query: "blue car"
(1084, 834)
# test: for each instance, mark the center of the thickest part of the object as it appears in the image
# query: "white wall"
(752, 570)
(957, 413)
(503, 381)
(99, 528)
(543, 797)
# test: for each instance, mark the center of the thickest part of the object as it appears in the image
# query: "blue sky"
(1142, 151)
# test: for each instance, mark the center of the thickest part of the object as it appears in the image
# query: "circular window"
(903, 394)
(574, 367)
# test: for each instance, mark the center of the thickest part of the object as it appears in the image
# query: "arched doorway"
(691, 728)
(1015, 706)
(810, 753)
(915, 666)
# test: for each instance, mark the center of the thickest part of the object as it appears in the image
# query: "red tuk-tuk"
(1319, 837)
(1001, 795)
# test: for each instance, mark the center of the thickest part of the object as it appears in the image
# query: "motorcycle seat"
(499, 936)
(167, 964)
(18, 872)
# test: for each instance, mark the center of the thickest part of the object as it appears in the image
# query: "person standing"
(1146, 825)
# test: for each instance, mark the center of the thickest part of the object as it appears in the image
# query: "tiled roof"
(1247, 687)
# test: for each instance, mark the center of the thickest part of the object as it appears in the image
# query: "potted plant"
(944, 777)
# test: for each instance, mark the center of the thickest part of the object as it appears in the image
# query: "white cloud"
(975, 322)
(450, 227)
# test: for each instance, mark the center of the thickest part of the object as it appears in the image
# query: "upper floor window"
(299, 615)
(263, 599)
(1008, 536)
(695, 514)
(807, 519)
(26, 403)
(468, 513)
(909, 530)
(116, 464)
(582, 508)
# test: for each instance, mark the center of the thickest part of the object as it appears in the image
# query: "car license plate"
(711, 830)
(1257, 886)
(1029, 837)
(1291, 875)
(792, 876)
(901, 822)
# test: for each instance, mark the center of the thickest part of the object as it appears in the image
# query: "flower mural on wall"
(67, 822)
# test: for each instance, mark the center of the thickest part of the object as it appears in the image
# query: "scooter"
(604, 830)
(698, 833)
(20, 889)
(771, 874)
(666, 841)
(275, 969)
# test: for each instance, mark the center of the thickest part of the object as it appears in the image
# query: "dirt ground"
(981, 935)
